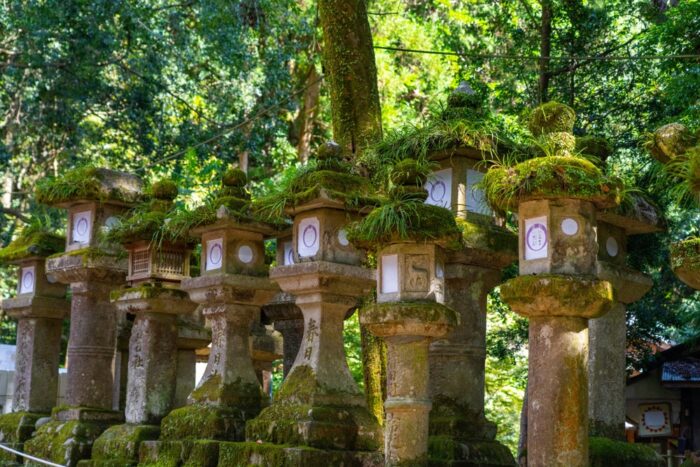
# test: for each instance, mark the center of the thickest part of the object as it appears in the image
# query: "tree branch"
(15, 213)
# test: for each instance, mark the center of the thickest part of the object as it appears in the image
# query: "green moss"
(64, 442)
(17, 427)
(404, 220)
(242, 395)
(234, 177)
(446, 451)
(121, 442)
(400, 312)
(164, 190)
(558, 143)
(549, 177)
(91, 253)
(552, 117)
(483, 236)
(686, 254)
(148, 290)
(32, 242)
(408, 172)
(669, 141)
(84, 183)
(204, 422)
(605, 452)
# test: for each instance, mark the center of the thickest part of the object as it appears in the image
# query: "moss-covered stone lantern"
(556, 197)
(232, 287)
(678, 147)
(93, 266)
(461, 142)
(410, 310)
(39, 308)
(158, 261)
(319, 403)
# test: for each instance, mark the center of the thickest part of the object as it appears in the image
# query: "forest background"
(184, 88)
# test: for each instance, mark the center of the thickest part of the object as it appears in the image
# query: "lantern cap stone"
(31, 243)
(670, 141)
(596, 146)
(90, 184)
(636, 214)
(552, 117)
(164, 189)
(685, 261)
(550, 177)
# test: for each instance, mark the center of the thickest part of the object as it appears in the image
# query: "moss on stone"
(17, 427)
(245, 396)
(549, 177)
(204, 422)
(559, 143)
(164, 190)
(147, 290)
(604, 452)
(669, 141)
(32, 241)
(90, 253)
(64, 442)
(686, 254)
(121, 443)
(85, 183)
(484, 236)
(428, 312)
(444, 451)
(552, 117)
(234, 177)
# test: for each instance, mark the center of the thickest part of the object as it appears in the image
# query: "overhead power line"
(233, 127)
(566, 58)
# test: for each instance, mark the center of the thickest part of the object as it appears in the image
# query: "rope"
(27, 456)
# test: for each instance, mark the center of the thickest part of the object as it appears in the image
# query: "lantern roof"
(148, 220)
(327, 180)
(90, 184)
(32, 242)
(404, 216)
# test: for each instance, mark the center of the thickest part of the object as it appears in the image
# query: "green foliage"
(36, 239)
(548, 177)
(552, 117)
(82, 183)
(604, 452)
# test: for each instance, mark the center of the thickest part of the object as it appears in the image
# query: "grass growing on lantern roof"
(86, 182)
(36, 239)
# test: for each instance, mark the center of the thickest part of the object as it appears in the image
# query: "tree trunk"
(348, 58)
(351, 73)
(545, 49)
(307, 113)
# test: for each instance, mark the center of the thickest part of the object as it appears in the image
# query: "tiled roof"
(683, 370)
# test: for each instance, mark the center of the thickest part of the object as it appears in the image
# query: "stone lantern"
(158, 262)
(457, 360)
(410, 310)
(319, 403)
(93, 267)
(607, 334)
(232, 287)
(556, 197)
(39, 308)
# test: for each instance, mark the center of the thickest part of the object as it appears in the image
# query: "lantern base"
(119, 445)
(15, 429)
(250, 453)
(202, 422)
(444, 451)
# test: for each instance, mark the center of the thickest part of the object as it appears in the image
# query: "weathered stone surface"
(319, 404)
(119, 445)
(64, 442)
(267, 347)
(607, 374)
(288, 320)
(191, 336)
(407, 328)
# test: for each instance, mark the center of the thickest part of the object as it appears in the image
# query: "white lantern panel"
(82, 227)
(390, 274)
(215, 254)
(569, 226)
(439, 187)
(27, 280)
(476, 202)
(612, 247)
(343, 237)
(288, 253)
(308, 236)
(245, 254)
(536, 238)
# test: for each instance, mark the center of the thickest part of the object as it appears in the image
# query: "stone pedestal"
(457, 420)
(607, 348)
(152, 370)
(407, 329)
(91, 349)
(39, 320)
(319, 404)
(558, 308)
(192, 338)
(229, 392)
(288, 320)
